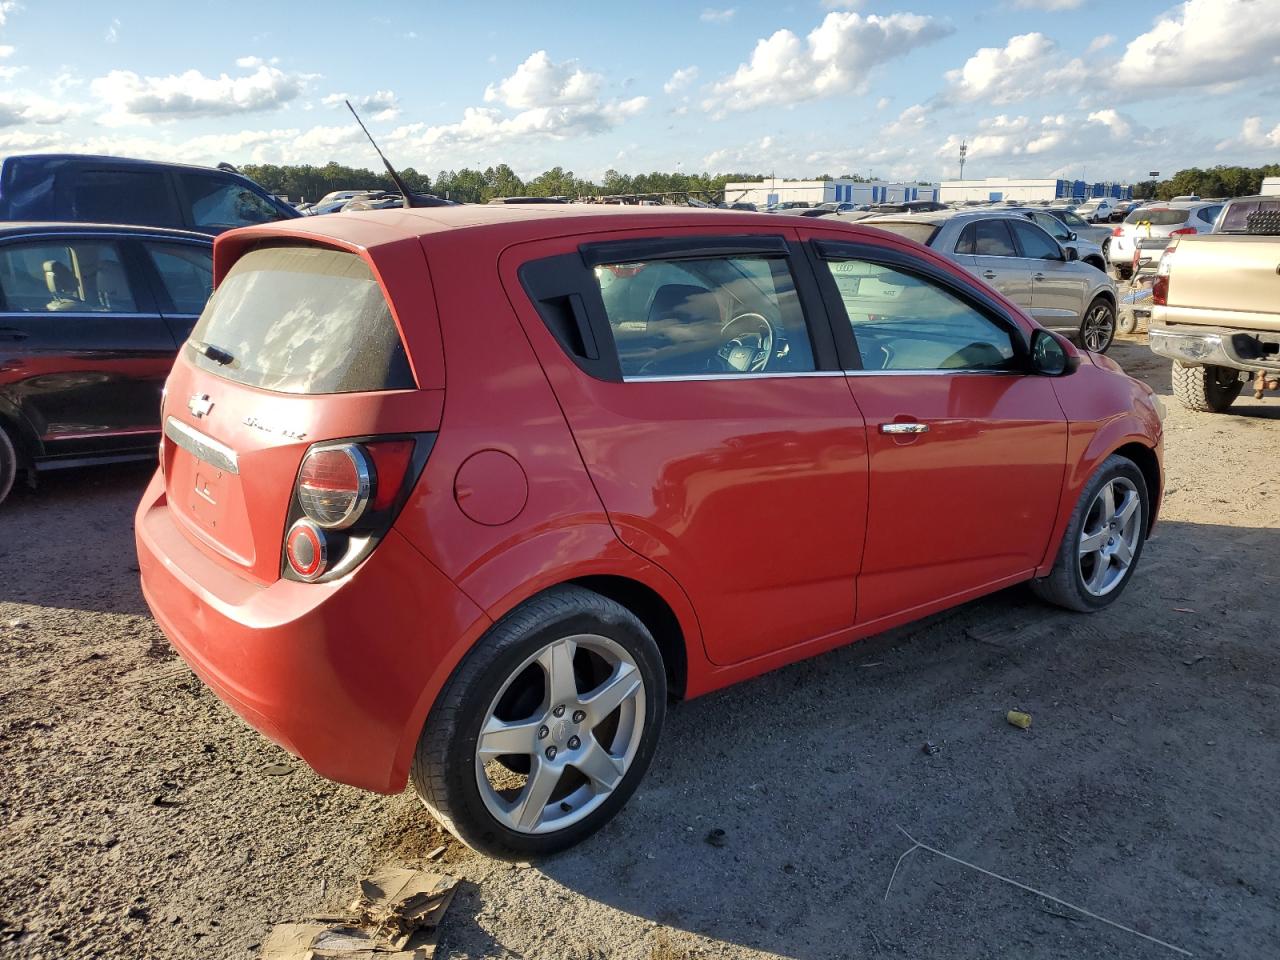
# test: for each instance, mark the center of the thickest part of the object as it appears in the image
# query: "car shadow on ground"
(90, 507)
(1141, 790)
(1138, 361)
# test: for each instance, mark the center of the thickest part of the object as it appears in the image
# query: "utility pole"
(964, 151)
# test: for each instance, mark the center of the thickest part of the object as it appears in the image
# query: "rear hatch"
(298, 344)
(1221, 279)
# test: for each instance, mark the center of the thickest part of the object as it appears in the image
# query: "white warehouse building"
(765, 193)
(1028, 191)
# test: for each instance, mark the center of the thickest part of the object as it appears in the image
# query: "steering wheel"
(748, 343)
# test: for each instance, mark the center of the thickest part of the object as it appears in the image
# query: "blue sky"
(1037, 87)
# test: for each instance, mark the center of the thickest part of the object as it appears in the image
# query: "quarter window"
(714, 315)
(905, 322)
(186, 270)
(65, 276)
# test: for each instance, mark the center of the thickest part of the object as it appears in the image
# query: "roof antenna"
(395, 177)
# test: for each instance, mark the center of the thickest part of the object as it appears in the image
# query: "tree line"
(1215, 182)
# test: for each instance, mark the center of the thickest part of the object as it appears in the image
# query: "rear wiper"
(216, 354)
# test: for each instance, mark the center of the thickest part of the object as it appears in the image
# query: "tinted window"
(216, 202)
(987, 238)
(1071, 220)
(902, 321)
(1238, 212)
(716, 315)
(116, 196)
(302, 320)
(1158, 216)
(60, 276)
(1034, 242)
(1209, 214)
(186, 270)
(919, 231)
(1052, 225)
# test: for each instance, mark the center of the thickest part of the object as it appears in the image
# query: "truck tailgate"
(1225, 280)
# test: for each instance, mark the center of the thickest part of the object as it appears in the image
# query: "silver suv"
(1159, 221)
(1024, 263)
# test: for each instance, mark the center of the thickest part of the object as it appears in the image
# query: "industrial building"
(1029, 191)
(765, 193)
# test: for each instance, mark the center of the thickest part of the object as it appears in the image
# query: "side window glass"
(1209, 214)
(1035, 243)
(1052, 225)
(186, 270)
(991, 238)
(905, 322)
(718, 315)
(61, 276)
(216, 202)
(965, 246)
(117, 196)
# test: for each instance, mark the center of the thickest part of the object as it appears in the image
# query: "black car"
(91, 317)
(86, 189)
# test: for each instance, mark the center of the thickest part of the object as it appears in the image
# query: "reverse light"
(307, 550)
(335, 485)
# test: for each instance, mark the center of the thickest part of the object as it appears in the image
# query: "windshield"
(1158, 217)
(301, 320)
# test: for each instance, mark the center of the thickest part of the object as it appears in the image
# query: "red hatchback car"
(464, 495)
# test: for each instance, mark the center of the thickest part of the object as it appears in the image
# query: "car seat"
(63, 284)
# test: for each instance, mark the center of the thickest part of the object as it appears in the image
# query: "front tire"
(1206, 389)
(1098, 328)
(545, 728)
(8, 464)
(1103, 541)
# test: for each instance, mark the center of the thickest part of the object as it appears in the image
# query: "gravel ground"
(141, 819)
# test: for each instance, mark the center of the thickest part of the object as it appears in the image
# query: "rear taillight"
(347, 495)
(1117, 231)
(335, 485)
(1160, 286)
(1183, 232)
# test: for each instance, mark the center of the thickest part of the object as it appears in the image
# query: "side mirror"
(1050, 357)
(1071, 236)
(1072, 253)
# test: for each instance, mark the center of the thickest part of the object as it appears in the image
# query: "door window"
(714, 315)
(1052, 225)
(904, 322)
(1035, 243)
(987, 238)
(225, 203)
(117, 196)
(186, 270)
(59, 276)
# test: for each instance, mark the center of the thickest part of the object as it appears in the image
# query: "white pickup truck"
(1216, 306)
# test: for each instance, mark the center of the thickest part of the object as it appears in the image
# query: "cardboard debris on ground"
(395, 917)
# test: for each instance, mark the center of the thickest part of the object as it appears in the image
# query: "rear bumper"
(1214, 347)
(340, 674)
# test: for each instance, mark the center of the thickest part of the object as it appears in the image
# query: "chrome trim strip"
(198, 445)
(937, 373)
(693, 377)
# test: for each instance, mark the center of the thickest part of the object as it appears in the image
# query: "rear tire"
(1098, 328)
(1126, 322)
(1206, 389)
(1123, 272)
(506, 692)
(1076, 581)
(8, 464)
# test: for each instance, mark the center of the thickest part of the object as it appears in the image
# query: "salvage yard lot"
(142, 819)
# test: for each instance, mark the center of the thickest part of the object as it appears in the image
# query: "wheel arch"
(657, 616)
(1149, 464)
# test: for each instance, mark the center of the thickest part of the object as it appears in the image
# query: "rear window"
(917, 231)
(301, 320)
(1236, 218)
(1158, 217)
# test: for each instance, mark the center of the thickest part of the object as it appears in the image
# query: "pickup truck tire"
(1206, 389)
(1116, 492)
(8, 464)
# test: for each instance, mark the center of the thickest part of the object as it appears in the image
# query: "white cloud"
(712, 15)
(680, 79)
(1204, 43)
(836, 57)
(6, 51)
(1029, 65)
(1101, 42)
(130, 97)
(485, 126)
(1050, 5)
(1253, 134)
(1120, 126)
(883, 102)
(1002, 137)
(539, 82)
(381, 105)
(24, 107)
(7, 7)
(113, 31)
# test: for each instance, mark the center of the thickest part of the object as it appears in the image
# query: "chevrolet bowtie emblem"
(199, 404)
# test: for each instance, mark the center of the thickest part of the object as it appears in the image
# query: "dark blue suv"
(87, 189)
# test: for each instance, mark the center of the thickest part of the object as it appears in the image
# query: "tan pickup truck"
(1216, 306)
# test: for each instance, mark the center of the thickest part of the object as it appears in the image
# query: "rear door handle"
(8, 333)
(904, 428)
(1038, 276)
(989, 275)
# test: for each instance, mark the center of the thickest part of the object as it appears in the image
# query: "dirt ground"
(141, 819)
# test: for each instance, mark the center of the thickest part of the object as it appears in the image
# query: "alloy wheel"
(561, 734)
(1099, 328)
(1109, 536)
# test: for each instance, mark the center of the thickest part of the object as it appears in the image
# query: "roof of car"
(11, 228)
(938, 217)
(116, 161)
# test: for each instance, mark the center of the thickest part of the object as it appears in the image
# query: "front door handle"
(1038, 276)
(989, 275)
(8, 333)
(904, 428)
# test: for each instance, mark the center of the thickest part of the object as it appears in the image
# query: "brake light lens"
(1183, 232)
(335, 485)
(1160, 286)
(1117, 231)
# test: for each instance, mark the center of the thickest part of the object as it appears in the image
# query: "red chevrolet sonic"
(464, 495)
